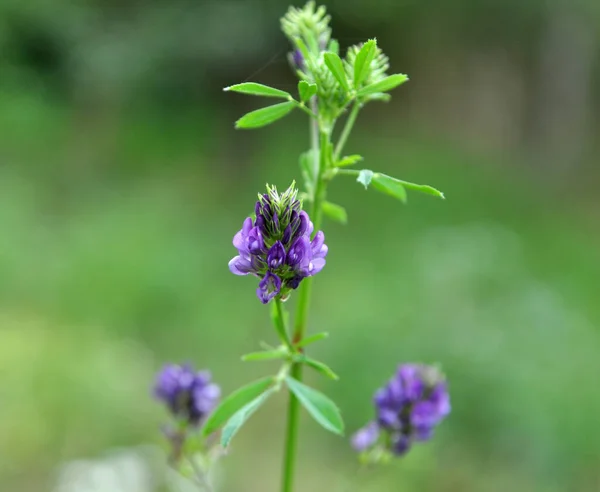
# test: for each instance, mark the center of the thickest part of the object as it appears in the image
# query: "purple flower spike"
(268, 287)
(277, 246)
(408, 409)
(188, 394)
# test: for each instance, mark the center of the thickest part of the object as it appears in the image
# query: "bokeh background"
(122, 182)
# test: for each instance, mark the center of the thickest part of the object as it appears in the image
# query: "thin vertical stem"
(319, 148)
(280, 325)
(347, 129)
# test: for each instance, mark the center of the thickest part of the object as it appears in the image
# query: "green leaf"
(364, 177)
(265, 116)
(335, 212)
(378, 96)
(319, 367)
(312, 339)
(428, 190)
(362, 64)
(390, 186)
(234, 402)
(334, 46)
(265, 355)
(236, 422)
(321, 408)
(336, 67)
(306, 90)
(349, 160)
(255, 89)
(384, 85)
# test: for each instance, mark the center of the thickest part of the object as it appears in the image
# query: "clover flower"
(408, 409)
(276, 245)
(188, 394)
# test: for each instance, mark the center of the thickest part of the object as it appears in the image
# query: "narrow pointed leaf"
(336, 67)
(365, 177)
(312, 339)
(235, 423)
(265, 116)
(234, 402)
(320, 407)
(265, 355)
(384, 85)
(306, 90)
(429, 190)
(349, 160)
(319, 367)
(362, 64)
(255, 89)
(335, 212)
(390, 186)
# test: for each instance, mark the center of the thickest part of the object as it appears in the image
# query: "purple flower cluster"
(188, 394)
(276, 246)
(408, 409)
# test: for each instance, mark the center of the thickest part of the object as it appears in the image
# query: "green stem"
(302, 309)
(347, 129)
(280, 324)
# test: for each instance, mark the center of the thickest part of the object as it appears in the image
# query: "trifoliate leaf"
(306, 90)
(320, 407)
(384, 85)
(390, 186)
(234, 402)
(319, 367)
(255, 89)
(235, 423)
(265, 116)
(336, 67)
(362, 64)
(349, 160)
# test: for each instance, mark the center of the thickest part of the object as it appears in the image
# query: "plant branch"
(346, 131)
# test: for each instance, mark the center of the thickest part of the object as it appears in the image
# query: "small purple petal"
(287, 235)
(315, 266)
(268, 287)
(365, 437)
(401, 445)
(389, 418)
(299, 254)
(240, 266)
(276, 256)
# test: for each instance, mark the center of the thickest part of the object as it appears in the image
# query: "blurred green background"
(122, 182)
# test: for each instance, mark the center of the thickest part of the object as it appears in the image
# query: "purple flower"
(188, 394)
(276, 247)
(408, 409)
(297, 60)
